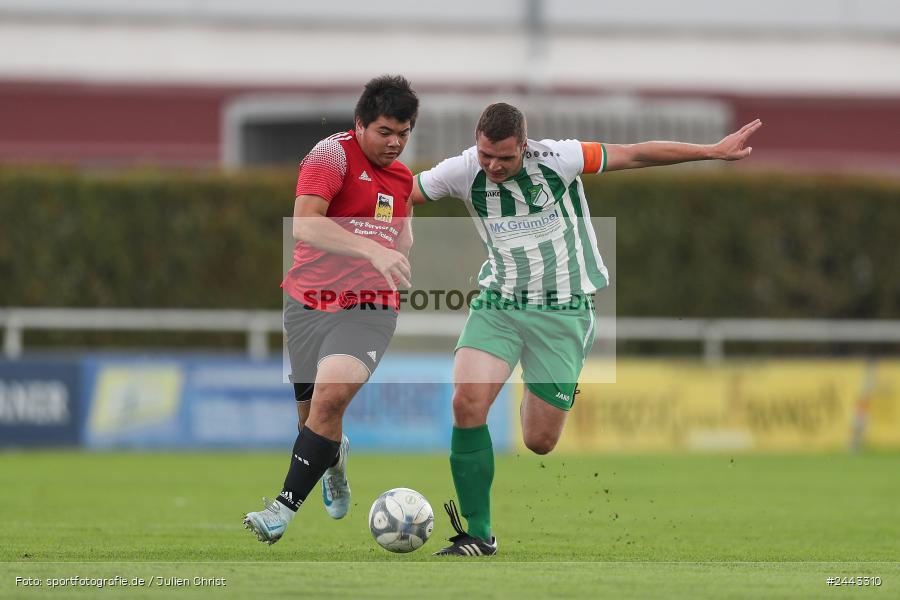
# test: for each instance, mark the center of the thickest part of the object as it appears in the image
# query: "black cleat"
(463, 543)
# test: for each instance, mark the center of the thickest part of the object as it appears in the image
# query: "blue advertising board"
(40, 403)
(187, 402)
(416, 414)
(238, 403)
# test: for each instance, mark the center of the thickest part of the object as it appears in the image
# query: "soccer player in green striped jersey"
(527, 201)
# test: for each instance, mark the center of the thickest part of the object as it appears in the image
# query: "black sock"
(313, 454)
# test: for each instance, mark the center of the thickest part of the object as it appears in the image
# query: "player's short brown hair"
(389, 96)
(500, 121)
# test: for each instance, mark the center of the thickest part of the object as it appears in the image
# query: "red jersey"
(364, 199)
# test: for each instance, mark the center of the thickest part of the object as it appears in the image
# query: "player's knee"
(467, 405)
(330, 401)
(540, 444)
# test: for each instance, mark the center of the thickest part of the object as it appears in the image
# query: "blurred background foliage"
(702, 243)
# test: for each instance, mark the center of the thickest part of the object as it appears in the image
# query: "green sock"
(472, 465)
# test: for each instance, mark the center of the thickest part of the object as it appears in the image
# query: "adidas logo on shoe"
(365, 177)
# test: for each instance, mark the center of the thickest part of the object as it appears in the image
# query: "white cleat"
(335, 489)
(270, 523)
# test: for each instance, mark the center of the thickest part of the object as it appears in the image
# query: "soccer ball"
(401, 520)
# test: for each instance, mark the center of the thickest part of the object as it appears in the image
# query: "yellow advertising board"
(767, 405)
(881, 406)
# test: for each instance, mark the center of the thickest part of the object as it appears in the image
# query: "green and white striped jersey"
(535, 226)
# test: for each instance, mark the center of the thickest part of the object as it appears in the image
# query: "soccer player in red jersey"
(341, 308)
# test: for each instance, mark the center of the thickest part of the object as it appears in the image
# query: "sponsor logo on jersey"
(492, 194)
(372, 354)
(364, 177)
(539, 154)
(384, 208)
(535, 224)
(562, 396)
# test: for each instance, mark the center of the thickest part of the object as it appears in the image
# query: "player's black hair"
(500, 121)
(389, 96)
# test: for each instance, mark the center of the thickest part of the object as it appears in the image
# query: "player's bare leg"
(340, 377)
(318, 449)
(302, 413)
(478, 377)
(337, 381)
(542, 423)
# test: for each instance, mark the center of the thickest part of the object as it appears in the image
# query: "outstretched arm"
(652, 154)
(416, 196)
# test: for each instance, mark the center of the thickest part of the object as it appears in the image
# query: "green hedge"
(754, 246)
(141, 239)
(695, 243)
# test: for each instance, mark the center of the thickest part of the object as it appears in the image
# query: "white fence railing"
(259, 325)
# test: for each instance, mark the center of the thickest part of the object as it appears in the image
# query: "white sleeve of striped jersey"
(448, 179)
(568, 157)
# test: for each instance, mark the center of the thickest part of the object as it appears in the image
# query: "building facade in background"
(198, 84)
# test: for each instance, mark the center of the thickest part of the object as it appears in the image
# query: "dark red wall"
(125, 125)
(109, 124)
(833, 133)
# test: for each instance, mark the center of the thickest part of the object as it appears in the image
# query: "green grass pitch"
(673, 526)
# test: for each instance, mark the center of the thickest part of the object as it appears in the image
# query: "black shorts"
(362, 331)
